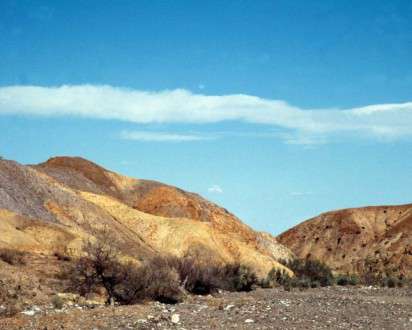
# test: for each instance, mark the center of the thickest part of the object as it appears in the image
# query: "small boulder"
(175, 318)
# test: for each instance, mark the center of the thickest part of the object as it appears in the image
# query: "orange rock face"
(354, 240)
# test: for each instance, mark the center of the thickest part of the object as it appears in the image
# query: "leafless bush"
(166, 279)
(125, 283)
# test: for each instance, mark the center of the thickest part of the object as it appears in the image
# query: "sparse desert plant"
(198, 276)
(100, 267)
(344, 280)
(57, 302)
(238, 277)
(275, 278)
(163, 281)
(308, 269)
(12, 257)
(163, 278)
(314, 284)
(391, 282)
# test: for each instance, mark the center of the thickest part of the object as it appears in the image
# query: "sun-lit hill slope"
(54, 206)
(356, 239)
(144, 195)
(158, 199)
(38, 197)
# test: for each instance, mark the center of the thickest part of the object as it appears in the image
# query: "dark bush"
(276, 277)
(165, 279)
(124, 283)
(390, 282)
(344, 280)
(314, 284)
(12, 257)
(312, 270)
(199, 276)
(237, 277)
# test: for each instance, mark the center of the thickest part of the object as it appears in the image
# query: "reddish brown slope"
(345, 239)
(153, 198)
(56, 205)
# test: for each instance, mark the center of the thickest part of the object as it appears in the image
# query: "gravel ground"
(325, 308)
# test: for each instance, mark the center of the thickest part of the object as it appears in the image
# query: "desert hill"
(56, 205)
(357, 240)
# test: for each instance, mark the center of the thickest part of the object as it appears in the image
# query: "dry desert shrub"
(307, 274)
(163, 278)
(347, 279)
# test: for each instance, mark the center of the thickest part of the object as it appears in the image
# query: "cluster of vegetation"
(307, 274)
(164, 279)
(312, 273)
(378, 272)
(170, 279)
(12, 257)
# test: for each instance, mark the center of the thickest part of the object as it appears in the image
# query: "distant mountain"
(55, 205)
(357, 240)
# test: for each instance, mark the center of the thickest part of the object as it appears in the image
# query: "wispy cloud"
(215, 189)
(303, 126)
(162, 136)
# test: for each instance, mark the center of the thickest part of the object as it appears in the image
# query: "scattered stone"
(229, 307)
(175, 318)
(249, 321)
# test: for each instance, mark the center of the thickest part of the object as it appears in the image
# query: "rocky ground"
(333, 308)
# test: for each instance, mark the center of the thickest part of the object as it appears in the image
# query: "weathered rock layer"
(55, 205)
(357, 240)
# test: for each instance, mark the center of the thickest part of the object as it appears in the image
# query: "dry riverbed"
(323, 308)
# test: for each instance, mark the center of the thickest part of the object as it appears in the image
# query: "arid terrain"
(354, 240)
(49, 211)
(324, 308)
(54, 206)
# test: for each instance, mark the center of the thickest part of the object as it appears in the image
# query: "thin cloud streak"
(215, 189)
(382, 121)
(161, 136)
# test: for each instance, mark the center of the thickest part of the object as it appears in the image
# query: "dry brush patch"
(167, 279)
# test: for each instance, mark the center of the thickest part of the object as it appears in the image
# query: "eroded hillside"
(56, 205)
(357, 240)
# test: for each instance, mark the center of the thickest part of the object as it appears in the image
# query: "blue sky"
(277, 110)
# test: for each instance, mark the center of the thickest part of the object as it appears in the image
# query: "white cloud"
(215, 189)
(386, 121)
(161, 136)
